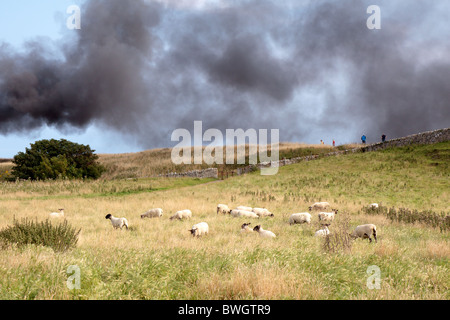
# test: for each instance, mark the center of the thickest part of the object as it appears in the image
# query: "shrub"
(339, 238)
(53, 159)
(431, 218)
(60, 237)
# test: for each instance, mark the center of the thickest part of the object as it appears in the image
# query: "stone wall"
(206, 173)
(428, 137)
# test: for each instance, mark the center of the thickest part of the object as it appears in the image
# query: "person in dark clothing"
(363, 139)
(383, 138)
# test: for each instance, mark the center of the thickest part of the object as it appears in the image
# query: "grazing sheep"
(264, 233)
(322, 232)
(182, 214)
(243, 213)
(327, 217)
(244, 208)
(302, 217)
(223, 208)
(262, 212)
(365, 231)
(57, 214)
(199, 229)
(319, 206)
(374, 205)
(153, 213)
(245, 228)
(117, 222)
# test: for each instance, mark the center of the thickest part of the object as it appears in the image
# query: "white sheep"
(365, 231)
(244, 208)
(117, 222)
(182, 214)
(301, 217)
(243, 213)
(245, 228)
(322, 232)
(223, 208)
(57, 214)
(264, 233)
(199, 229)
(319, 206)
(374, 205)
(262, 212)
(327, 217)
(153, 213)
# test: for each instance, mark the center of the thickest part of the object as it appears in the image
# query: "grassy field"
(158, 259)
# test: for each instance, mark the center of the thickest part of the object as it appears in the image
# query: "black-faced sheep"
(365, 231)
(153, 213)
(264, 233)
(199, 229)
(301, 217)
(117, 222)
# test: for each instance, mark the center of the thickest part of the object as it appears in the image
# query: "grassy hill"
(158, 259)
(158, 161)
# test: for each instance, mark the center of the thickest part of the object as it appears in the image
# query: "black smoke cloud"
(146, 68)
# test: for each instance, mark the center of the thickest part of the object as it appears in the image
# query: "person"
(383, 138)
(321, 141)
(334, 143)
(363, 139)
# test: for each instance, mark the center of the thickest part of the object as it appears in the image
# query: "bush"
(431, 218)
(339, 239)
(60, 237)
(53, 159)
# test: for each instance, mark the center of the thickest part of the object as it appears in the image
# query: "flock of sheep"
(365, 231)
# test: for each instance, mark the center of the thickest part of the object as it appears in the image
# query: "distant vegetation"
(56, 159)
(158, 161)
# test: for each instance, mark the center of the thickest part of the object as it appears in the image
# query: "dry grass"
(158, 161)
(158, 259)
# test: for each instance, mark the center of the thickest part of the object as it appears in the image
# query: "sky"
(137, 70)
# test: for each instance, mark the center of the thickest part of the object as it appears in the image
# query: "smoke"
(145, 68)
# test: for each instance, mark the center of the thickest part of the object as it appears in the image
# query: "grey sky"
(137, 70)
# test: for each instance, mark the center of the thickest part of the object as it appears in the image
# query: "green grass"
(158, 259)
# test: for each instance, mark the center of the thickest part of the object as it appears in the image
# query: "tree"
(53, 159)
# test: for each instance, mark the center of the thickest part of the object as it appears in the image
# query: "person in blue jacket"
(363, 139)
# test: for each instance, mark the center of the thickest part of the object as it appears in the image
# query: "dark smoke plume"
(146, 68)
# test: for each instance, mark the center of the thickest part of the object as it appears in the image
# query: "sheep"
(153, 213)
(365, 231)
(319, 206)
(199, 229)
(223, 208)
(264, 233)
(322, 232)
(182, 214)
(244, 208)
(243, 213)
(245, 228)
(301, 217)
(117, 222)
(327, 216)
(374, 205)
(262, 212)
(57, 214)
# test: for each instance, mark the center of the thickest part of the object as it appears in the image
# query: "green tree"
(52, 159)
